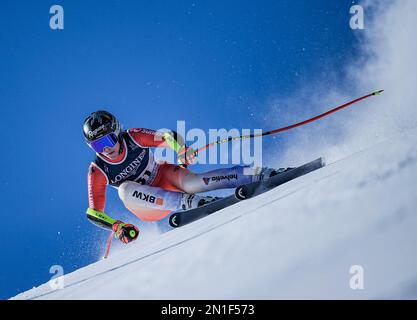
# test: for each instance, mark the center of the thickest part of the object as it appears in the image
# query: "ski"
(181, 218)
(255, 188)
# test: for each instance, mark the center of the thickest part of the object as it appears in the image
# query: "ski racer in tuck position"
(150, 190)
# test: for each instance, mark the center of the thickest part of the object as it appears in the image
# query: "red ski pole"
(298, 124)
(108, 245)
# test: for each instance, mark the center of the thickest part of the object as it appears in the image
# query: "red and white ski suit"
(153, 198)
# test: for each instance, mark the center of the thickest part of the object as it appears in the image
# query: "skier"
(148, 189)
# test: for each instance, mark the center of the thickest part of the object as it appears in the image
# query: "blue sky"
(210, 63)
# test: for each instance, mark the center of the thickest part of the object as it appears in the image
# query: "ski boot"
(192, 201)
(265, 173)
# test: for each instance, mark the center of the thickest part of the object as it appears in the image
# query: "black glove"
(125, 232)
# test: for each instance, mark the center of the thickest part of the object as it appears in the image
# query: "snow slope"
(297, 241)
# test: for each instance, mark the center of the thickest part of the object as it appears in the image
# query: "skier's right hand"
(125, 232)
(187, 156)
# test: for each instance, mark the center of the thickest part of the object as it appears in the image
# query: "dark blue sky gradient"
(210, 63)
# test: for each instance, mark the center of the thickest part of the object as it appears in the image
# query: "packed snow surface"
(309, 238)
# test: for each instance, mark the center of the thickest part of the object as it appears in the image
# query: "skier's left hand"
(187, 156)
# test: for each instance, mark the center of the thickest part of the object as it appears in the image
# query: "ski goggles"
(107, 141)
